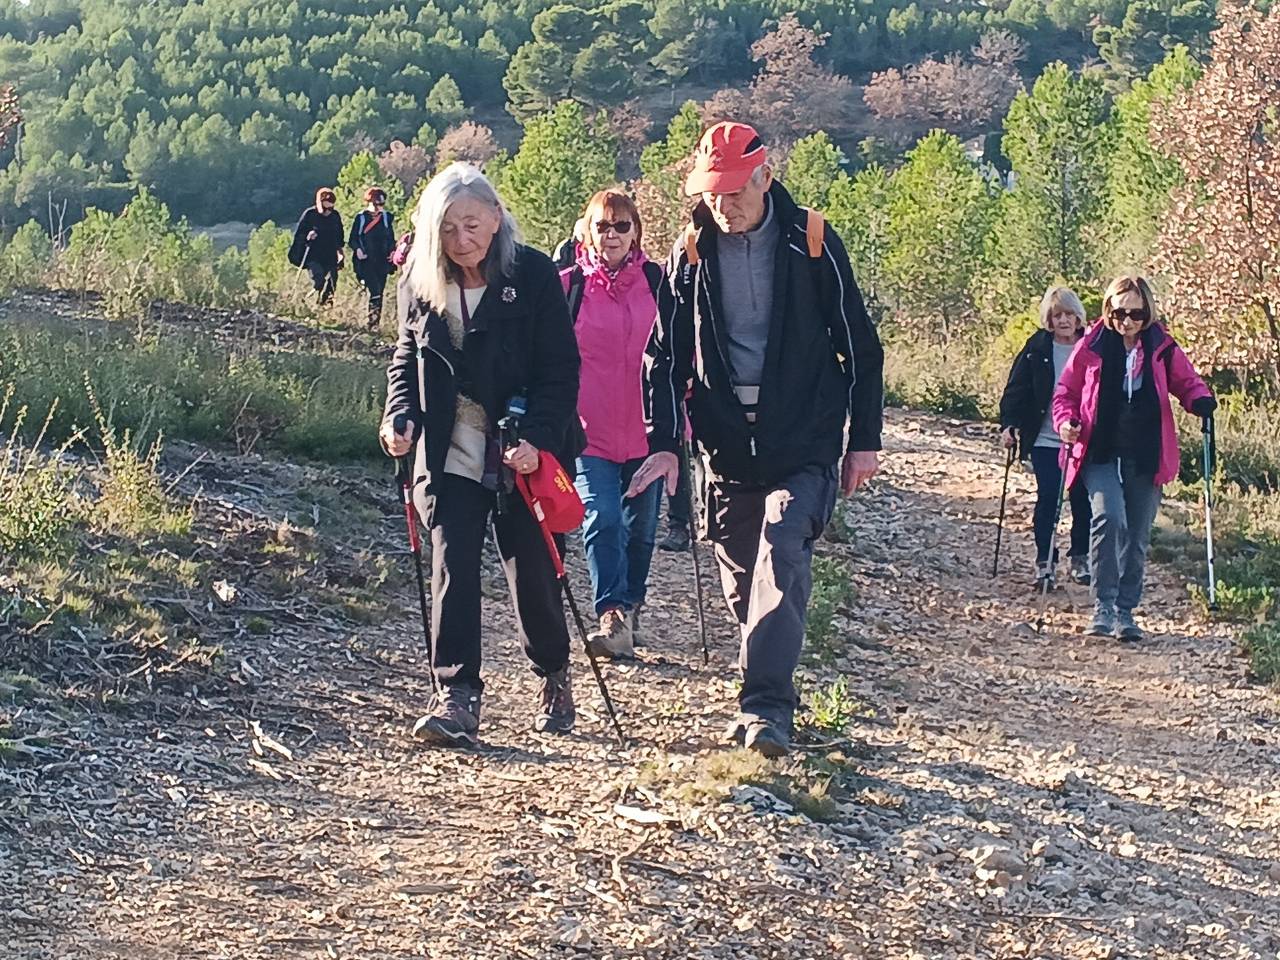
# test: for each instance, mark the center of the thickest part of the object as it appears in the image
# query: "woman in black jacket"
(483, 320)
(317, 244)
(372, 242)
(1026, 422)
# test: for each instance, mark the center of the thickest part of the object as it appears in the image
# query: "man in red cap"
(761, 323)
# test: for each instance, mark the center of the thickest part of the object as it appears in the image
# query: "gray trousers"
(763, 539)
(1124, 508)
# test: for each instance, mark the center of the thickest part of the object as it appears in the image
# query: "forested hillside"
(231, 109)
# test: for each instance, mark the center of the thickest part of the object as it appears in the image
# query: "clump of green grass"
(36, 503)
(832, 709)
(832, 590)
(1261, 642)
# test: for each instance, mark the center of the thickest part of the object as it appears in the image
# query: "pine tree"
(812, 168)
(562, 160)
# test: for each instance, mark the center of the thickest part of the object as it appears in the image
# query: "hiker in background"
(760, 317)
(566, 255)
(611, 291)
(372, 243)
(317, 244)
(1111, 409)
(1026, 423)
(484, 320)
(679, 512)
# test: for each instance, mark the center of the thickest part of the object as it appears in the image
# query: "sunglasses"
(620, 227)
(1129, 316)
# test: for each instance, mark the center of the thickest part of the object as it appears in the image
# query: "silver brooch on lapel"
(508, 294)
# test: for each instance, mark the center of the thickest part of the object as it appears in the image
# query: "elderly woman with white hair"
(1026, 423)
(483, 319)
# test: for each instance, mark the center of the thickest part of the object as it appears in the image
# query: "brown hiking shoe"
(454, 718)
(614, 639)
(555, 704)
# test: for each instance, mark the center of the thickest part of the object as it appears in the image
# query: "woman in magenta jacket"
(611, 300)
(1111, 409)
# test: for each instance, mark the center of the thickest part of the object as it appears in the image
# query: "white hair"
(1060, 299)
(428, 270)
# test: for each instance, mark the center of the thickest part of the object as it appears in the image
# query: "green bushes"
(142, 256)
(322, 407)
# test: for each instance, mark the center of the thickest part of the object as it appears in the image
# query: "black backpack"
(578, 283)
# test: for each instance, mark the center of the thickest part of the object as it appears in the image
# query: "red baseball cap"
(555, 493)
(727, 155)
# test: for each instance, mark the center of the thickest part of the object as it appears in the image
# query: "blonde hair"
(428, 270)
(1129, 283)
(1060, 300)
(617, 201)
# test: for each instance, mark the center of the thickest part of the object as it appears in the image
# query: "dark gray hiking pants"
(763, 540)
(1124, 509)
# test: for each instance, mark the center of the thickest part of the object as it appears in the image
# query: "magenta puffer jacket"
(615, 319)
(1076, 397)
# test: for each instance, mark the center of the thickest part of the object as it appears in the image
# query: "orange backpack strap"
(691, 245)
(814, 230)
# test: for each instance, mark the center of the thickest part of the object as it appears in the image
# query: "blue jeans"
(1044, 461)
(617, 533)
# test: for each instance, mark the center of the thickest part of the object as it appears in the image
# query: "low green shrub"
(832, 590)
(36, 503)
(1261, 643)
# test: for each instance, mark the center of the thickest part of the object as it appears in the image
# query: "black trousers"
(679, 506)
(460, 522)
(324, 278)
(375, 282)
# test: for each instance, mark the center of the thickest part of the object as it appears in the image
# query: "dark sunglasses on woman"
(620, 227)
(1124, 316)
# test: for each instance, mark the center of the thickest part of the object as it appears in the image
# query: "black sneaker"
(677, 540)
(767, 738)
(1127, 628)
(454, 720)
(1080, 570)
(1104, 622)
(556, 713)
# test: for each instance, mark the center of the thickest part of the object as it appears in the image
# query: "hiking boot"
(1080, 569)
(1104, 622)
(767, 738)
(1126, 627)
(555, 704)
(454, 718)
(736, 732)
(613, 639)
(677, 540)
(638, 638)
(1044, 572)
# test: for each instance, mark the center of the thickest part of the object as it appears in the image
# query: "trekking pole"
(1207, 438)
(293, 287)
(507, 428)
(404, 479)
(1053, 541)
(1004, 493)
(693, 551)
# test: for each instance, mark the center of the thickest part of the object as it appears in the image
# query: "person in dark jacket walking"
(484, 320)
(760, 317)
(317, 244)
(1027, 424)
(372, 242)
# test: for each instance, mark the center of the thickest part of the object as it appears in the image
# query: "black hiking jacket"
(521, 343)
(378, 243)
(328, 241)
(1029, 391)
(823, 359)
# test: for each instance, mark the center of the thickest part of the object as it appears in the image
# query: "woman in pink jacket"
(611, 300)
(1111, 409)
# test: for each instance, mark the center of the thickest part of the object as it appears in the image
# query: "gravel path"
(1003, 794)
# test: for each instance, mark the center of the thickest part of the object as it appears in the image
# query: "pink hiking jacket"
(615, 320)
(1076, 397)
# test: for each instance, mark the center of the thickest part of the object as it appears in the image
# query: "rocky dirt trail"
(1003, 794)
